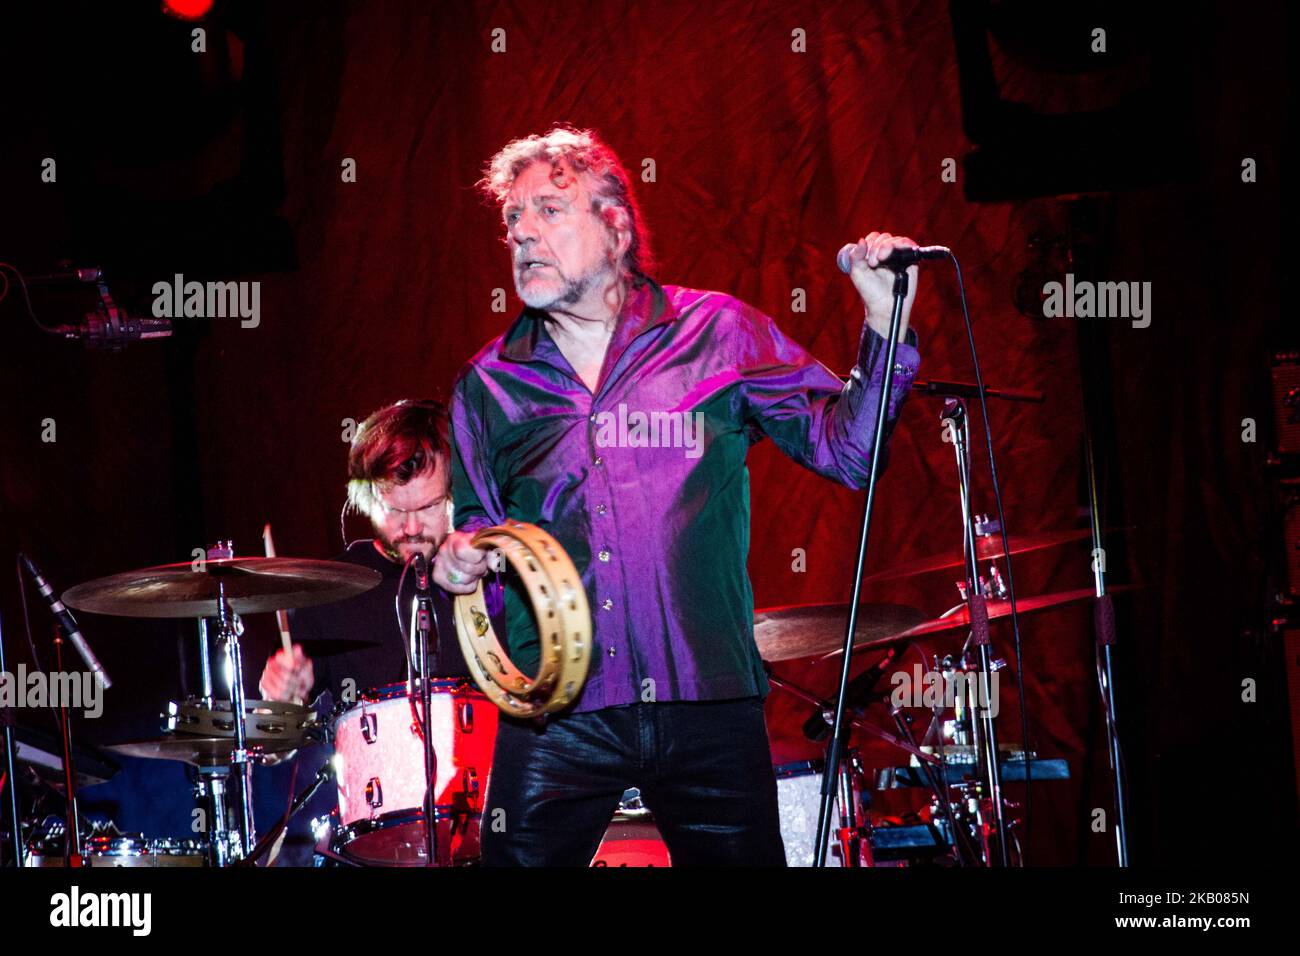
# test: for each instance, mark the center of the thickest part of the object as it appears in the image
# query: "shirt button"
(593, 417)
(607, 604)
(611, 652)
(600, 509)
(599, 461)
(604, 554)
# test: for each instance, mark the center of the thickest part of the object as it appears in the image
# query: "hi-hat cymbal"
(252, 585)
(198, 751)
(989, 547)
(812, 630)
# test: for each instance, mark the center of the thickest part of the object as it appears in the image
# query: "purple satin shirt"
(644, 483)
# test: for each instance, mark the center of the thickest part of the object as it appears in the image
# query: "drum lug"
(369, 727)
(465, 715)
(374, 793)
(469, 782)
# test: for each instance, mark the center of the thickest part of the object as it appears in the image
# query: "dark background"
(1123, 165)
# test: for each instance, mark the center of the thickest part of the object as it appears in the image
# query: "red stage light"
(187, 9)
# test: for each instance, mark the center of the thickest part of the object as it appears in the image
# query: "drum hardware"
(1015, 769)
(325, 773)
(956, 424)
(902, 844)
(232, 586)
(369, 726)
(104, 845)
(856, 718)
(933, 773)
(559, 602)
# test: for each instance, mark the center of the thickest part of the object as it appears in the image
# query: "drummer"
(399, 476)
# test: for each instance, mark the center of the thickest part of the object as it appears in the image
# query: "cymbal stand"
(240, 764)
(956, 425)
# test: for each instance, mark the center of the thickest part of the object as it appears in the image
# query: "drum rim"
(345, 835)
(397, 690)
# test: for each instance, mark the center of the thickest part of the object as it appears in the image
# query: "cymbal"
(960, 617)
(813, 630)
(198, 751)
(252, 585)
(989, 547)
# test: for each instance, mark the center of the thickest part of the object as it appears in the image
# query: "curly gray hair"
(584, 152)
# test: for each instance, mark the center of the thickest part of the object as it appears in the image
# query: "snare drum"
(381, 774)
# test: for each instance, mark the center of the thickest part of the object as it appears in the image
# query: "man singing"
(673, 703)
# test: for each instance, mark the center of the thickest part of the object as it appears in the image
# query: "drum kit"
(379, 739)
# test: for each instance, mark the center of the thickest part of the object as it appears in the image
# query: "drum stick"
(281, 616)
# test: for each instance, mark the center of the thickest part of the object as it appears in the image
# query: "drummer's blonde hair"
(395, 444)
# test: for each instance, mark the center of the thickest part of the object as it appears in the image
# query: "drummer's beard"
(401, 548)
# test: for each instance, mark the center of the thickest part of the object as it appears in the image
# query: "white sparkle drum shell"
(381, 775)
(798, 798)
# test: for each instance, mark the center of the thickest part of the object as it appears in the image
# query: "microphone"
(857, 694)
(72, 275)
(420, 565)
(66, 621)
(899, 259)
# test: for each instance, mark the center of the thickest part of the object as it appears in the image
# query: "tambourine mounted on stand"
(563, 623)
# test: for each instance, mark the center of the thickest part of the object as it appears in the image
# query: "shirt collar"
(644, 308)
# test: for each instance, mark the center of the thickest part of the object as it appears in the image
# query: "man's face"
(554, 225)
(413, 517)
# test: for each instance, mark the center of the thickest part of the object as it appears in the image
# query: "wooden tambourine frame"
(563, 624)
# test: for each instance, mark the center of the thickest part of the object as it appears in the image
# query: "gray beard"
(571, 294)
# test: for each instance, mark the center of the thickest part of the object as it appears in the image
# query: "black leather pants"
(704, 769)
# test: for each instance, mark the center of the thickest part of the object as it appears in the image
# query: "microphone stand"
(423, 625)
(325, 773)
(72, 830)
(11, 779)
(830, 773)
(1104, 627)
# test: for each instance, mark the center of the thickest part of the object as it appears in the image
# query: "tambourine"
(563, 622)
